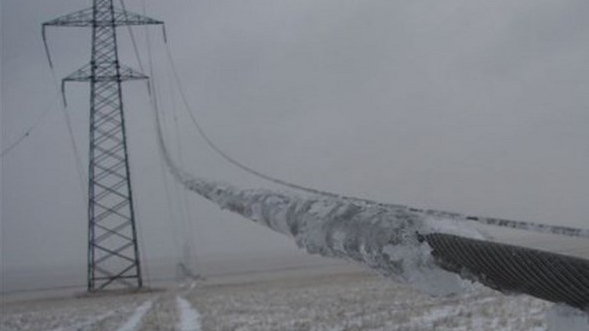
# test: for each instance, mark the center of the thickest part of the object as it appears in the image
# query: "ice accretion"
(381, 238)
(387, 238)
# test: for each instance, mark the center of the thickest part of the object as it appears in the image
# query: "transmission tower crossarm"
(85, 18)
(84, 74)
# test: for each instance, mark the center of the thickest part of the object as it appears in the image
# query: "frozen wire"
(79, 167)
(189, 255)
(319, 224)
(178, 219)
(140, 232)
(82, 178)
(154, 102)
(529, 226)
(402, 245)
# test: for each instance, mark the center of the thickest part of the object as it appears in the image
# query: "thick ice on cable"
(383, 239)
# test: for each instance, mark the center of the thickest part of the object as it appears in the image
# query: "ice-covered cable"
(381, 238)
(430, 253)
(529, 226)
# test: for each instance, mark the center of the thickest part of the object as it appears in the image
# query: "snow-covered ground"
(304, 299)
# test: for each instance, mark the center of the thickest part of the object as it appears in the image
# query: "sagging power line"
(408, 245)
(399, 241)
(27, 133)
(521, 225)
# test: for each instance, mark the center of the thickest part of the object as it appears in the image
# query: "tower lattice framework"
(113, 252)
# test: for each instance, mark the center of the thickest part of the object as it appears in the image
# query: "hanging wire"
(186, 223)
(529, 226)
(133, 41)
(512, 269)
(82, 177)
(32, 127)
(189, 253)
(151, 89)
(79, 167)
(139, 228)
(177, 215)
(172, 211)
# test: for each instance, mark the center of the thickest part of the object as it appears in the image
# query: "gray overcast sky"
(473, 106)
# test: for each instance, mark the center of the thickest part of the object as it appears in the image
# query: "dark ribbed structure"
(514, 269)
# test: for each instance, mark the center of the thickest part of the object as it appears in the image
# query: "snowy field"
(334, 298)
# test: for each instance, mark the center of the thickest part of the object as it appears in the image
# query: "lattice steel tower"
(113, 253)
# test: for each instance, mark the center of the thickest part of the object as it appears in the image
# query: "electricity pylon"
(113, 252)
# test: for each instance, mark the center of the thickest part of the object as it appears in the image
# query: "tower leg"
(113, 252)
(112, 246)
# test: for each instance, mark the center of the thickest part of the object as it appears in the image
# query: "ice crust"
(381, 238)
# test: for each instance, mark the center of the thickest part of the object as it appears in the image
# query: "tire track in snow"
(135, 320)
(189, 317)
(86, 324)
(187, 288)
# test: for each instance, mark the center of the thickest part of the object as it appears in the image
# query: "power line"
(529, 226)
(141, 243)
(132, 35)
(549, 276)
(77, 158)
(404, 246)
(31, 128)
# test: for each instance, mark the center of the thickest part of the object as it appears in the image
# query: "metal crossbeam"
(90, 17)
(113, 252)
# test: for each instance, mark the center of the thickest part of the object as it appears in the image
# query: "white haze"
(478, 107)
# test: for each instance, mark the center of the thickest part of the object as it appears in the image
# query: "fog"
(478, 107)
